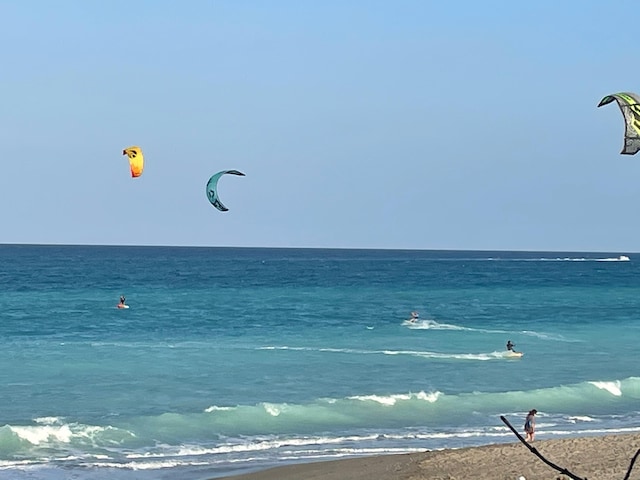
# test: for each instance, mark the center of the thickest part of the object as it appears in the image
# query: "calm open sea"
(234, 359)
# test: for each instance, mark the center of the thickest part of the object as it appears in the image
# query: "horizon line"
(2, 244)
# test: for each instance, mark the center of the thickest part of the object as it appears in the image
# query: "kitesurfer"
(510, 346)
(122, 300)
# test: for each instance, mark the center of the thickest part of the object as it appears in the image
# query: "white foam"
(612, 387)
(431, 397)
(40, 435)
(433, 325)
(450, 356)
(9, 464)
(415, 353)
(546, 336)
(49, 432)
(348, 452)
(390, 400)
(215, 408)
(48, 420)
(580, 418)
(254, 446)
(594, 431)
(149, 465)
(273, 409)
(621, 258)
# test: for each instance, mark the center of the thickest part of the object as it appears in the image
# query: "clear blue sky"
(359, 124)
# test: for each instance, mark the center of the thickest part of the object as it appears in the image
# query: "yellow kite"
(136, 160)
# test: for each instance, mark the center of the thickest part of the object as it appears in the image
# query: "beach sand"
(592, 458)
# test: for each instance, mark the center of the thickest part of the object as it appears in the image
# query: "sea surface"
(237, 359)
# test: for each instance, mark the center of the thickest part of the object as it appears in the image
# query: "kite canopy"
(212, 188)
(136, 160)
(629, 104)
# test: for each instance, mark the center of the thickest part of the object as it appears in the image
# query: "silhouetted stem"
(533, 450)
(633, 460)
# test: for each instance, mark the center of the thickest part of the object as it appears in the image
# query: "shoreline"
(604, 457)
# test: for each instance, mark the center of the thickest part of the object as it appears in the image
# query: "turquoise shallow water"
(238, 359)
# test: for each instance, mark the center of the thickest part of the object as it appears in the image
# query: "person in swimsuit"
(530, 425)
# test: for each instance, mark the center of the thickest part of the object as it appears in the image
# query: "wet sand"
(592, 458)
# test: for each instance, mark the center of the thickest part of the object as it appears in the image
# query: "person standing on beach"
(530, 425)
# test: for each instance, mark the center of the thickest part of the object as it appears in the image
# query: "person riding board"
(510, 346)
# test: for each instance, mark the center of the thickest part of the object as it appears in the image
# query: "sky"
(405, 124)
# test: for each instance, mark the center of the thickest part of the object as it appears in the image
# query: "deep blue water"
(238, 359)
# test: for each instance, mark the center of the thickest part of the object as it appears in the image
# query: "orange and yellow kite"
(136, 160)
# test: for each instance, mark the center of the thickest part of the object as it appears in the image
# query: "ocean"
(232, 360)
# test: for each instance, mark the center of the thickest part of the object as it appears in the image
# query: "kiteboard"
(514, 354)
(120, 305)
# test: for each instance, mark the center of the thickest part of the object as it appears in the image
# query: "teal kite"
(212, 188)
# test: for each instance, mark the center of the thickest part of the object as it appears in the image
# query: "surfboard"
(122, 306)
(514, 354)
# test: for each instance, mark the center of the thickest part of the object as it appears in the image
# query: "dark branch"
(533, 450)
(633, 460)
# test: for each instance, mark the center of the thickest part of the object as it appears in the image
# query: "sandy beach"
(593, 458)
